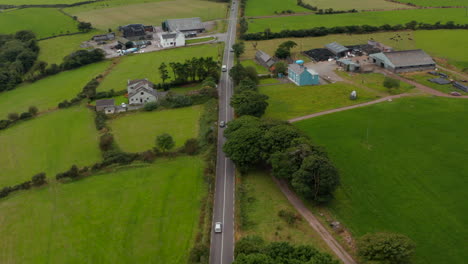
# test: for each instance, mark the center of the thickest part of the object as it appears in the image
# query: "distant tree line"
(13, 117)
(254, 250)
(330, 11)
(306, 5)
(356, 29)
(36, 181)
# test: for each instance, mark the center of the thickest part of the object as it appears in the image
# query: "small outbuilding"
(300, 75)
(460, 86)
(104, 37)
(404, 61)
(349, 65)
(264, 59)
(193, 24)
(105, 105)
(337, 49)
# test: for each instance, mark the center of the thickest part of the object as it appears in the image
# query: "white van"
(224, 68)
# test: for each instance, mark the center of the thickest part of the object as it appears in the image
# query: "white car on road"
(218, 227)
(224, 68)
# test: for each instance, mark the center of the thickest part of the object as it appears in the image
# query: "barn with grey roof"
(193, 24)
(337, 49)
(404, 61)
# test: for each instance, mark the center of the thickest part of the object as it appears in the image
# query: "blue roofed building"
(300, 75)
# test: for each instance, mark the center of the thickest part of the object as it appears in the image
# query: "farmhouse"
(141, 91)
(264, 59)
(404, 61)
(184, 25)
(104, 37)
(337, 49)
(300, 75)
(175, 39)
(135, 31)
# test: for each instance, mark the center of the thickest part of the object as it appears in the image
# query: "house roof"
(336, 48)
(382, 57)
(408, 58)
(298, 69)
(184, 24)
(142, 89)
(105, 102)
(169, 35)
(130, 82)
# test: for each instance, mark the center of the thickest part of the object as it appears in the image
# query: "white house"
(141, 91)
(174, 39)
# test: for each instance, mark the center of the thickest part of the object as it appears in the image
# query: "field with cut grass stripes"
(137, 132)
(140, 66)
(269, 7)
(55, 49)
(50, 143)
(402, 167)
(45, 22)
(457, 15)
(147, 214)
(47, 93)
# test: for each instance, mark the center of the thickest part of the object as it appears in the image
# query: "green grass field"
(434, 42)
(139, 215)
(150, 13)
(402, 170)
(358, 5)
(437, 2)
(45, 22)
(47, 93)
(50, 143)
(198, 40)
(269, 7)
(260, 69)
(53, 50)
(366, 18)
(423, 78)
(266, 201)
(375, 81)
(139, 66)
(137, 132)
(37, 2)
(288, 100)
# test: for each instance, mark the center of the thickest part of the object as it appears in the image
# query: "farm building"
(175, 39)
(141, 91)
(184, 25)
(104, 37)
(108, 106)
(300, 75)
(460, 86)
(264, 59)
(349, 65)
(337, 49)
(135, 31)
(404, 61)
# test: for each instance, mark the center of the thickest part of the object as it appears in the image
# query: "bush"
(33, 110)
(13, 116)
(151, 106)
(200, 253)
(389, 247)
(288, 216)
(106, 141)
(147, 156)
(391, 83)
(25, 115)
(5, 123)
(100, 120)
(191, 146)
(38, 179)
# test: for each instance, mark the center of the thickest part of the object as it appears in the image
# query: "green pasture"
(104, 15)
(50, 143)
(55, 49)
(269, 7)
(276, 24)
(438, 2)
(260, 69)
(144, 214)
(402, 167)
(357, 4)
(47, 93)
(198, 40)
(375, 81)
(423, 78)
(265, 201)
(140, 66)
(38, 2)
(289, 101)
(136, 132)
(45, 22)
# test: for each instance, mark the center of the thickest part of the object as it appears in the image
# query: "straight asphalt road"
(222, 244)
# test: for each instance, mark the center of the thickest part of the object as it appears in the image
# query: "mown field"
(357, 4)
(438, 2)
(365, 18)
(136, 215)
(289, 101)
(38, 2)
(45, 22)
(423, 78)
(151, 13)
(269, 7)
(434, 42)
(375, 82)
(137, 132)
(47, 93)
(50, 143)
(53, 50)
(402, 170)
(140, 66)
(265, 201)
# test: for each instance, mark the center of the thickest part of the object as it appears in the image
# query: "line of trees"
(191, 70)
(306, 5)
(14, 117)
(355, 29)
(36, 181)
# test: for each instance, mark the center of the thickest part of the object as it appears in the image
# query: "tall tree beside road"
(239, 49)
(249, 103)
(163, 72)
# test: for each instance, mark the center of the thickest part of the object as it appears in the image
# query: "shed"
(349, 65)
(193, 24)
(441, 81)
(337, 49)
(105, 105)
(404, 61)
(264, 59)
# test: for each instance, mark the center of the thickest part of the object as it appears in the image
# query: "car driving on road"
(222, 124)
(217, 227)
(224, 68)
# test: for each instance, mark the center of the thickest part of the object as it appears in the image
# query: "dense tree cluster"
(18, 53)
(253, 250)
(252, 141)
(246, 99)
(354, 29)
(88, 91)
(14, 117)
(191, 70)
(284, 49)
(386, 248)
(81, 58)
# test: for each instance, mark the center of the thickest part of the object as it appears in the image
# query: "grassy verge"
(390, 159)
(288, 100)
(375, 82)
(198, 40)
(141, 215)
(423, 78)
